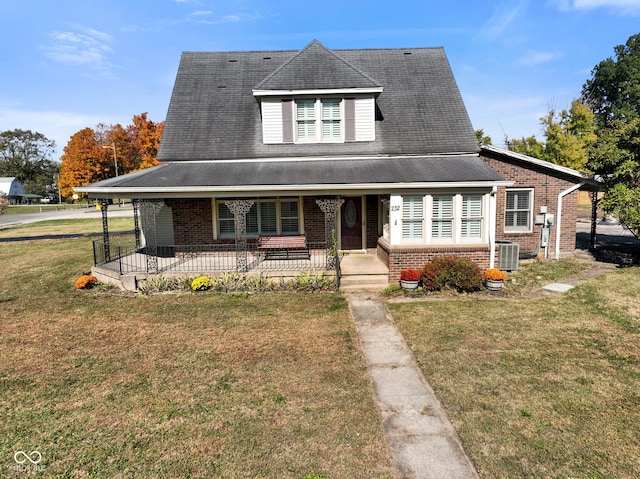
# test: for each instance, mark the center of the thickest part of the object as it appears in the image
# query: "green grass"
(105, 384)
(538, 386)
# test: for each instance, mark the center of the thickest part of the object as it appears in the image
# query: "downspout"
(492, 226)
(561, 195)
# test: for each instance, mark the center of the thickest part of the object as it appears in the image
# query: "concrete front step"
(369, 282)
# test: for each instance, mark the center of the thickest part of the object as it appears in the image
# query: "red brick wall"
(313, 221)
(398, 258)
(192, 221)
(546, 189)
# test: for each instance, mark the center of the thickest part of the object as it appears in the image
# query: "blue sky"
(70, 64)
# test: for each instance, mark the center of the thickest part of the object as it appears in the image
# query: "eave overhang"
(316, 92)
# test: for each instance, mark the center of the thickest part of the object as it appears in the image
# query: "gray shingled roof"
(214, 115)
(322, 70)
(329, 173)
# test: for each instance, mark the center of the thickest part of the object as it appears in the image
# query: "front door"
(351, 223)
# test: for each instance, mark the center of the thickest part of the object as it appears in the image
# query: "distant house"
(366, 151)
(13, 190)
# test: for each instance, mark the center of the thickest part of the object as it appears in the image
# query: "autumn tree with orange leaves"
(88, 157)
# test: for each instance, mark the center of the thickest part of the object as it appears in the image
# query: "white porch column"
(395, 219)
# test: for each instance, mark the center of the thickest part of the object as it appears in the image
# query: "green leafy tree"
(613, 92)
(26, 155)
(616, 157)
(527, 146)
(482, 138)
(568, 136)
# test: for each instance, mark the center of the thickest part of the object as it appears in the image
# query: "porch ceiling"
(302, 174)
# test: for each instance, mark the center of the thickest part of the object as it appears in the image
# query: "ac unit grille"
(508, 255)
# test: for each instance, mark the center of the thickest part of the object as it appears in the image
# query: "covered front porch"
(125, 259)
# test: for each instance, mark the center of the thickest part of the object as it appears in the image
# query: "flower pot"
(404, 284)
(494, 284)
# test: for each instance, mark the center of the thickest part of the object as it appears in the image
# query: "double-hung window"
(518, 209)
(412, 217)
(306, 120)
(442, 217)
(319, 120)
(471, 220)
(331, 119)
(266, 217)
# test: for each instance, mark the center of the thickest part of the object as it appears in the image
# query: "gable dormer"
(317, 97)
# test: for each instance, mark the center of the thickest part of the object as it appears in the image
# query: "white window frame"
(433, 219)
(457, 218)
(279, 218)
(414, 220)
(471, 217)
(319, 120)
(519, 229)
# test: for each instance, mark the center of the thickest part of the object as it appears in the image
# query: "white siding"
(365, 119)
(272, 121)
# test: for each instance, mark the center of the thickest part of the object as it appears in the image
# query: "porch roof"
(325, 175)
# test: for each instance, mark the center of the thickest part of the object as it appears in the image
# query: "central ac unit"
(508, 255)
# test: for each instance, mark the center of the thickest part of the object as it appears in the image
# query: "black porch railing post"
(104, 206)
(136, 223)
(594, 217)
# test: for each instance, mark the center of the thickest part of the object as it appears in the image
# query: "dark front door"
(351, 223)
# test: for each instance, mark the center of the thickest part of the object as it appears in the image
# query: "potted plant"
(409, 278)
(494, 278)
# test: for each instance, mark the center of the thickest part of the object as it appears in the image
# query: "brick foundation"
(398, 258)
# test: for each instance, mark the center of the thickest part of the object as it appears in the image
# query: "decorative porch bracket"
(240, 208)
(149, 209)
(104, 205)
(330, 209)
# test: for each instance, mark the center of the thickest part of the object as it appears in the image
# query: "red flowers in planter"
(409, 275)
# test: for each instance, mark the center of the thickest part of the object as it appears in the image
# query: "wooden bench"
(284, 247)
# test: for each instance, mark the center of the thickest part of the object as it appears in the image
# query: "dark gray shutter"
(350, 119)
(287, 121)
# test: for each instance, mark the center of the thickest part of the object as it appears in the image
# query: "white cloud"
(504, 15)
(539, 57)
(622, 7)
(55, 125)
(86, 46)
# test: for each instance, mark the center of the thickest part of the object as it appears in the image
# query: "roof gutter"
(257, 190)
(561, 195)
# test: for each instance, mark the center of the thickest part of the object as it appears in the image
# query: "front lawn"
(546, 386)
(193, 385)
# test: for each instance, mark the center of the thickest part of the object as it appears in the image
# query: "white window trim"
(456, 238)
(484, 205)
(514, 229)
(454, 224)
(420, 240)
(298, 199)
(318, 138)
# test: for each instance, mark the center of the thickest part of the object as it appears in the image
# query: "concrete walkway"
(422, 442)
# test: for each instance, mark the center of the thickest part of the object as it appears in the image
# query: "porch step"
(364, 282)
(363, 272)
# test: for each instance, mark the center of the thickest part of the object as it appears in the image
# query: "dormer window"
(319, 120)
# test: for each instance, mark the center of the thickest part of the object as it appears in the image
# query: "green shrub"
(162, 284)
(309, 281)
(451, 272)
(201, 283)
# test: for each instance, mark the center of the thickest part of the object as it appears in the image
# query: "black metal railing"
(123, 257)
